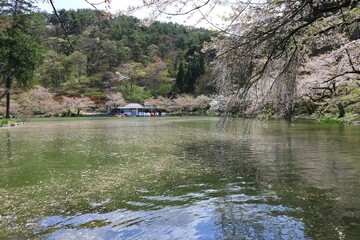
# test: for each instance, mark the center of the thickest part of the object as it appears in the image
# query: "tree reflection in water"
(302, 188)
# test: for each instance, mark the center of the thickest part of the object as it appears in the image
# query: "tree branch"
(187, 12)
(346, 24)
(350, 103)
(342, 74)
(94, 5)
(61, 23)
(324, 88)
(4, 93)
(350, 60)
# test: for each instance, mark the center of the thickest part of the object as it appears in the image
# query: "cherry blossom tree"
(74, 104)
(185, 102)
(158, 102)
(68, 103)
(202, 103)
(82, 103)
(38, 101)
(114, 100)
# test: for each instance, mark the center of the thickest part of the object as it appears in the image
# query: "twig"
(350, 60)
(187, 12)
(342, 74)
(4, 93)
(61, 23)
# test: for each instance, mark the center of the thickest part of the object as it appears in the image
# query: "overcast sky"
(75, 4)
(117, 5)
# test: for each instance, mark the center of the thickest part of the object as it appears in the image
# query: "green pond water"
(178, 178)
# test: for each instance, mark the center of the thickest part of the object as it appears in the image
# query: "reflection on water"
(176, 178)
(207, 217)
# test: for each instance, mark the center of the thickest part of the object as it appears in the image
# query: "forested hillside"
(104, 61)
(105, 52)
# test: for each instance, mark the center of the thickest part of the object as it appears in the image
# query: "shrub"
(4, 121)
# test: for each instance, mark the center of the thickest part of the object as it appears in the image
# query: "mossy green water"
(145, 178)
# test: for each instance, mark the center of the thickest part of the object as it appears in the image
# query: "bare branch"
(187, 12)
(94, 5)
(346, 24)
(350, 60)
(350, 103)
(341, 74)
(4, 93)
(61, 23)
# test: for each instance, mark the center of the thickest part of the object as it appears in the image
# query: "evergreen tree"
(195, 68)
(180, 78)
(21, 49)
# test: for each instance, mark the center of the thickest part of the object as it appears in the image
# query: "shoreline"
(351, 119)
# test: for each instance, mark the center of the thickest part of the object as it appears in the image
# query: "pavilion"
(132, 110)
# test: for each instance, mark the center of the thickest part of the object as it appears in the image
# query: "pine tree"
(21, 47)
(180, 78)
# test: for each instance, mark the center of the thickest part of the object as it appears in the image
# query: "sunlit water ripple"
(205, 214)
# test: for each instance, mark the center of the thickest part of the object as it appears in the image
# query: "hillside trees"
(52, 72)
(75, 21)
(121, 44)
(58, 68)
(157, 78)
(76, 63)
(192, 66)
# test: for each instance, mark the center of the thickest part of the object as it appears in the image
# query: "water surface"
(177, 178)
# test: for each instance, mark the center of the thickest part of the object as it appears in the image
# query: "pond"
(178, 178)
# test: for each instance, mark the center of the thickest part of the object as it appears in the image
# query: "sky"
(122, 5)
(75, 4)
